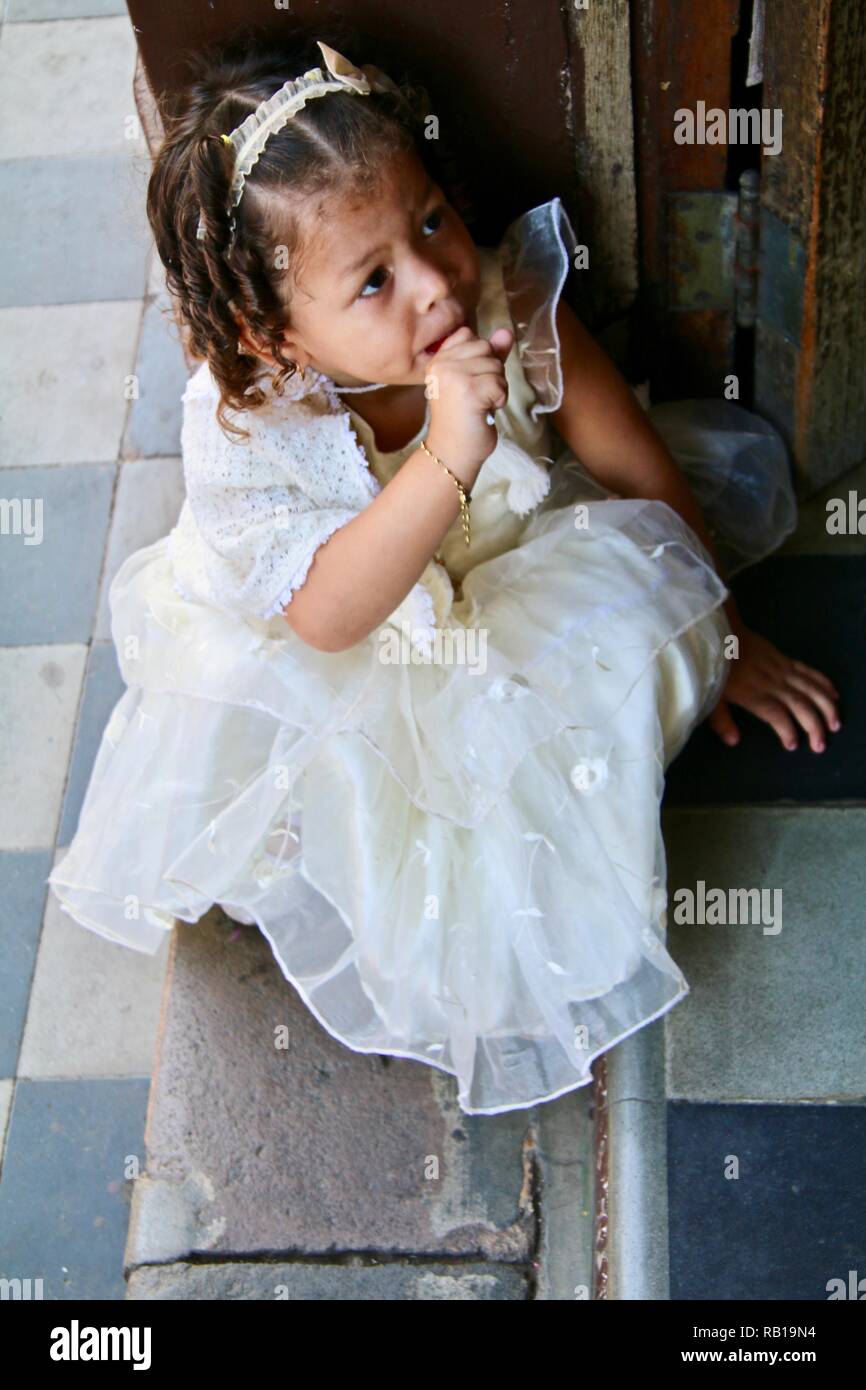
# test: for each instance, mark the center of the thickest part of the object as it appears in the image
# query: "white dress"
(454, 851)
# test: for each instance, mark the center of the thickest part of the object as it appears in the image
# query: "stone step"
(319, 1168)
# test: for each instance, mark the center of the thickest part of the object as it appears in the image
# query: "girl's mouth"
(434, 347)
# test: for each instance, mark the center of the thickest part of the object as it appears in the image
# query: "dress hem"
(448, 1071)
(381, 1050)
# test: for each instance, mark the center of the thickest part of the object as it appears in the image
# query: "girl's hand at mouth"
(778, 690)
(466, 381)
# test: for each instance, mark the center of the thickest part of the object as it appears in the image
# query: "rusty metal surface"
(600, 1271)
(814, 71)
(782, 262)
(681, 55)
(701, 246)
(747, 221)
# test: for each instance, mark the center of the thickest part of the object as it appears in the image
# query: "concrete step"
(312, 1171)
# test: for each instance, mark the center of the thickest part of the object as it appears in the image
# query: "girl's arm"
(602, 420)
(605, 425)
(367, 567)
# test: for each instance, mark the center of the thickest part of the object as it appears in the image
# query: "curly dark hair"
(329, 145)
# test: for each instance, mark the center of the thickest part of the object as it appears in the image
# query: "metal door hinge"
(713, 250)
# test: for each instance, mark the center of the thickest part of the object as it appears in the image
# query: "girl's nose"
(434, 283)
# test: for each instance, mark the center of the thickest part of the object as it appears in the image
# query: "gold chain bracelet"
(464, 503)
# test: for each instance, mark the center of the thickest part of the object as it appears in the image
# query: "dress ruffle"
(736, 462)
(537, 253)
(506, 806)
(452, 844)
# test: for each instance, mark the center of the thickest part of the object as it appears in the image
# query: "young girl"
(402, 687)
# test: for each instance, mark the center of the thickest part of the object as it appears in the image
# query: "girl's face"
(382, 281)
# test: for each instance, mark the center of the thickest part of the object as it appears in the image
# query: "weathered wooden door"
(752, 246)
(708, 259)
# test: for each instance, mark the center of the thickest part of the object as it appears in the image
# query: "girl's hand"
(469, 377)
(774, 687)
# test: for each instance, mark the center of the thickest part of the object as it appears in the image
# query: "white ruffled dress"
(449, 834)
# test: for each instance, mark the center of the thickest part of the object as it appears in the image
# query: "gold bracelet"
(464, 504)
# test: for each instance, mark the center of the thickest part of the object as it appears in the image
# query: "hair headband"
(250, 137)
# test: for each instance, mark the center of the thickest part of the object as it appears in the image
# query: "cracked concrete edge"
(167, 1220)
(638, 1263)
(171, 1220)
(172, 1228)
(351, 1280)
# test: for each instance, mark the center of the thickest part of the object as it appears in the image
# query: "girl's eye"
(380, 270)
(436, 215)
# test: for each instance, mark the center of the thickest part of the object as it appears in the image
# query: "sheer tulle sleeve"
(537, 253)
(735, 461)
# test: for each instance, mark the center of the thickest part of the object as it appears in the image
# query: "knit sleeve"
(250, 526)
